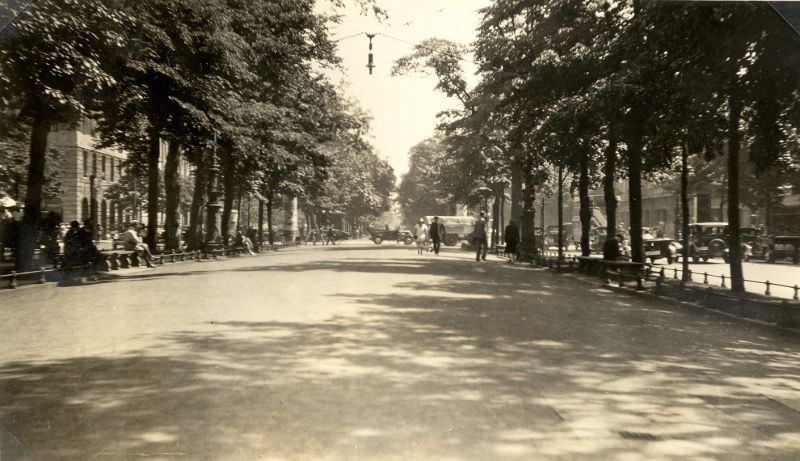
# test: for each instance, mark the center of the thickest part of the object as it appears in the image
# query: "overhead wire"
(446, 53)
(348, 36)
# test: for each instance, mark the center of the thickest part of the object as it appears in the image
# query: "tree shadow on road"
(467, 362)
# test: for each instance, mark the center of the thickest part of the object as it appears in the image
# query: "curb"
(690, 304)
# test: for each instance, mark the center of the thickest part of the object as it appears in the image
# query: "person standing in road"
(331, 236)
(511, 237)
(421, 235)
(479, 238)
(438, 233)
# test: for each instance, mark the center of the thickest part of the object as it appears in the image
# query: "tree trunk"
(768, 212)
(172, 188)
(260, 222)
(527, 245)
(270, 233)
(516, 191)
(153, 189)
(497, 220)
(635, 196)
(228, 184)
(610, 172)
(734, 240)
(685, 209)
(585, 211)
(195, 212)
(26, 241)
(560, 206)
(239, 207)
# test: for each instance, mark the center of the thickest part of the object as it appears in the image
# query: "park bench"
(118, 259)
(618, 270)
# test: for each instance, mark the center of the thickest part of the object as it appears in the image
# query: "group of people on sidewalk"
(325, 235)
(480, 239)
(80, 249)
(429, 238)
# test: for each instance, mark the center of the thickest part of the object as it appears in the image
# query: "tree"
(52, 61)
(421, 192)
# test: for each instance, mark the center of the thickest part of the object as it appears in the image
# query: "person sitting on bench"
(131, 242)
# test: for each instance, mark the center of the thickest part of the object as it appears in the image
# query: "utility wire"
(446, 53)
(348, 36)
(410, 21)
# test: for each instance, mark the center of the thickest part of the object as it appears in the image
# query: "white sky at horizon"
(403, 108)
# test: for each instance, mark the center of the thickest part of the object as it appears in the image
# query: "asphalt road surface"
(365, 352)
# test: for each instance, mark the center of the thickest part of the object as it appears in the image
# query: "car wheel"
(450, 240)
(377, 240)
(408, 241)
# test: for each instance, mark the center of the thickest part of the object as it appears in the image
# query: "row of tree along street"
(235, 87)
(607, 90)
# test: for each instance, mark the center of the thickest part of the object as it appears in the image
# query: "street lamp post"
(213, 206)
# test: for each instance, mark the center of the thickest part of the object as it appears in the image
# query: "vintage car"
(657, 248)
(379, 236)
(782, 247)
(708, 240)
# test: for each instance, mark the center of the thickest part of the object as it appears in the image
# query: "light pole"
(213, 206)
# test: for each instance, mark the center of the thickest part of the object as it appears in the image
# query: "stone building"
(87, 171)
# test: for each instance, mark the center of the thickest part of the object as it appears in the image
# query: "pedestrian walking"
(421, 235)
(511, 237)
(479, 238)
(331, 236)
(438, 233)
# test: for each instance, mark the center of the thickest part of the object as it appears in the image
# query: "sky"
(403, 108)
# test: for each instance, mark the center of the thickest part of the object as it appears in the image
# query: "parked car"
(657, 248)
(782, 247)
(707, 240)
(710, 240)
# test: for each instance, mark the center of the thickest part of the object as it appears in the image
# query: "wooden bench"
(619, 270)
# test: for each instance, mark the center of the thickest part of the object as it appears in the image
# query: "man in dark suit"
(438, 234)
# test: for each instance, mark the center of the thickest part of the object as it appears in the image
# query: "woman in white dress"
(421, 236)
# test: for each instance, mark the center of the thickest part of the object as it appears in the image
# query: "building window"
(94, 163)
(85, 164)
(111, 167)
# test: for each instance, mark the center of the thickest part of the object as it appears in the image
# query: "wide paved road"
(361, 352)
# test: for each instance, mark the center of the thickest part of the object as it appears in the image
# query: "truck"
(457, 228)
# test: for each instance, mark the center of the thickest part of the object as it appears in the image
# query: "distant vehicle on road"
(379, 236)
(456, 228)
